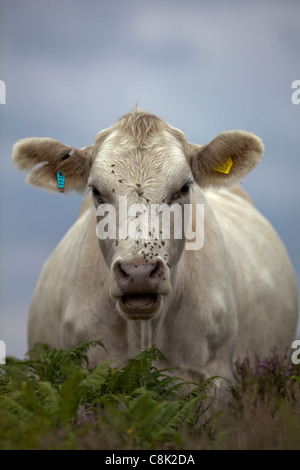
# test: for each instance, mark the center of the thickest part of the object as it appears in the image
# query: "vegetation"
(55, 401)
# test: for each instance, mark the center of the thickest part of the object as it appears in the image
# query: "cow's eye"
(96, 194)
(184, 190)
(95, 191)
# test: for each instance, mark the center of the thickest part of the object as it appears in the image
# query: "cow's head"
(142, 161)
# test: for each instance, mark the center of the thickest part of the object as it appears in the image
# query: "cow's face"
(140, 160)
(140, 191)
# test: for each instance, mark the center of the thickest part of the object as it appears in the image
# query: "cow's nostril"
(120, 271)
(157, 271)
(154, 270)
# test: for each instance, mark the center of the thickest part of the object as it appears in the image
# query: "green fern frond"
(97, 377)
(50, 397)
(13, 412)
(79, 354)
(71, 394)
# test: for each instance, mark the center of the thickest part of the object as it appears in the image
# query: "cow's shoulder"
(234, 198)
(240, 192)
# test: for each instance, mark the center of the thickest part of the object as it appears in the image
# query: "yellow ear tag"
(226, 167)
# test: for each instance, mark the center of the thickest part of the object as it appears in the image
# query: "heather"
(53, 400)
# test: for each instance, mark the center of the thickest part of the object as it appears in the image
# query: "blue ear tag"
(60, 174)
(60, 181)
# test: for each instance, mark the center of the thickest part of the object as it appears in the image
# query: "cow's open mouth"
(139, 305)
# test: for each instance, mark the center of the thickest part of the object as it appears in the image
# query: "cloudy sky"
(73, 67)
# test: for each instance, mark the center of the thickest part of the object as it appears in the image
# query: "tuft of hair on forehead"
(140, 124)
(137, 127)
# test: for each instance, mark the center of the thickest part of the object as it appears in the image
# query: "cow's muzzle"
(141, 286)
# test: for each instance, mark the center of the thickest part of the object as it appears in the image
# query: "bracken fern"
(54, 400)
(53, 394)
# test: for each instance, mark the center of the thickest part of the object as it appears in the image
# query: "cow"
(203, 308)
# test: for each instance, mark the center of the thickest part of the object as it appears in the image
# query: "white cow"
(203, 308)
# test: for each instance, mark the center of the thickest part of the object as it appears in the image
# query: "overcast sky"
(73, 67)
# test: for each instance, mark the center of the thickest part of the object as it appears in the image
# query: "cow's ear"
(46, 157)
(227, 159)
